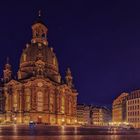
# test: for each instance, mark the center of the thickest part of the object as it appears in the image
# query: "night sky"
(98, 39)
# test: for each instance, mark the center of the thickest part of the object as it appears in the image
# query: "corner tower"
(7, 72)
(69, 78)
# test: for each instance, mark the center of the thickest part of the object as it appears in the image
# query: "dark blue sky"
(99, 40)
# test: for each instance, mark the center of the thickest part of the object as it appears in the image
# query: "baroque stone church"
(38, 93)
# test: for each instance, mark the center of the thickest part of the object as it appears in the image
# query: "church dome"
(37, 58)
(36, 51)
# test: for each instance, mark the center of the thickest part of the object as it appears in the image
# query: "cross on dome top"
(39, 13)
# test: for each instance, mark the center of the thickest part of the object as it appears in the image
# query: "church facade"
(38, 93)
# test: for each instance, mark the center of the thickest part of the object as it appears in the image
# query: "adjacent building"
(87, 115)
(133, 108)
(38, 93)
(83, 114)
(101, 116)
(93, 115)
(119, 108)
(126, 108)
(80, 114)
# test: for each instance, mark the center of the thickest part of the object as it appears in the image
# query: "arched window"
(70, 105)
(54, 61)
(24, 57)
(43, 35)
(51, 103)
(37, 35)
(39, 101)
(15, 103)
(62, 104)
(28, 100)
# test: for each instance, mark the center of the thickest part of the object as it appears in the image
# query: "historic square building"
(119, 108)
(38, 93)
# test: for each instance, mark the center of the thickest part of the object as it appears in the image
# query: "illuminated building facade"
(119, 108)
(87, 115)
(83, 114)
(93, 115)
(80, 114)
(38, 93)
(101, 116)
(133, 108)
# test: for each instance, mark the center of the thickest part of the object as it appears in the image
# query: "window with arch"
(70, 105)
(54, 61)
(28, 100)
(43, 35)
(24, 57)
(39, 101)
(15, 103)
(51, 102)
(63, 104)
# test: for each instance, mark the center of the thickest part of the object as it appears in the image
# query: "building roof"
(120, 98)
(134, 94)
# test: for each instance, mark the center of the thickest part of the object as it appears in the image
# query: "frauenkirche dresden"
(38, 93)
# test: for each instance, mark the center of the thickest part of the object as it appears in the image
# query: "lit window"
(39, 101)
(51, 103)
(28, 103)
(39, 44)
(15, 105)
(62, 104)
(70, 105)
(54, 61)
(24, 57)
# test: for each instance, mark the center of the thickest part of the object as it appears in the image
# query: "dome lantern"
(39, 31)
